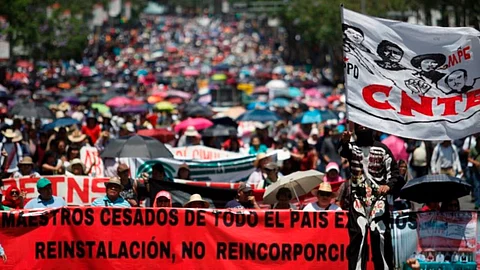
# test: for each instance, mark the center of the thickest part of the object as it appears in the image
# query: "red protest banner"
(95, 238)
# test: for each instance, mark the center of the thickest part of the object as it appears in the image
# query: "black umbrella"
(197, 110)
(219, 131)
(136, 147)
(35, 111)
(434, 188)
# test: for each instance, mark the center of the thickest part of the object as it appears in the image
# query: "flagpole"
(348, 126)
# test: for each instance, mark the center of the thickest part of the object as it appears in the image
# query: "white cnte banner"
(413, 81)
(200, 152)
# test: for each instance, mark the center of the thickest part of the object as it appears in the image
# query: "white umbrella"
(300, 183)
(276, 84)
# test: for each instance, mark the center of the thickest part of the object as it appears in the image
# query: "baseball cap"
(244, 187)
(43, 182)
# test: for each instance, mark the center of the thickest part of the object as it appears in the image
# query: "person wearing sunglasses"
(324, 196)
(14, 197)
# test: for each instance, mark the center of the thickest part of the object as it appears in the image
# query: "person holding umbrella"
(374, 174)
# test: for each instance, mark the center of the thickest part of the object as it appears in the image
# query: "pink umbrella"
(178, 93)
(191, 72)
(86, 71)
(313, 92)
(123, 101)
(317, 103)
(197, 123)
(397, 146)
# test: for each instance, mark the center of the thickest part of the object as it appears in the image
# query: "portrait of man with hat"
(196, 201)
(46, 199)
(25, 167)
(112, 197)
(324, 196)
(428, 64)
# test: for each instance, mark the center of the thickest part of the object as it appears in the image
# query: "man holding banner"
(406, 90)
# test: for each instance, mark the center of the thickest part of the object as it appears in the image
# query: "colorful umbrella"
(164, 106)
(316, 103)
(259, 116)
(276, 84)
(61, 122)
(328, 115)
(178, 93)
(219, 77)
(309, 117)
(279, 102)
(294, 92)
(101, 108)
(197, 123)
(397, 146)
(162, 134)
(191, 72)
(123, 101)
(257, 104)
(313, 93)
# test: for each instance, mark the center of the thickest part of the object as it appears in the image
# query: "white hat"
(191, 132)
(314, 131)
(197, 198)
(260, 125)
(59, 114)
(129, 126)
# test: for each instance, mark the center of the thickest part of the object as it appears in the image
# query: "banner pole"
(349, 126)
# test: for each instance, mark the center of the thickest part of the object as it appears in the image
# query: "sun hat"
(18, 136)
(76, 161)
(59, 114)
(26, 161)
(271, 166)
(43, 182)
(325, 187)
(77, 136)
(114, 181)
(260, 156)
(9, 133)
(191, 132)
(197, 198)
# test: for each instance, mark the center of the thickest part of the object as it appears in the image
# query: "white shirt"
(468, 144)
(18, 174)
(255, 178)
(440, 257)
(445, 157)
(314, 207)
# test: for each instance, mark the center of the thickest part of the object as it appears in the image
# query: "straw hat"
(59, 114)
(26, 161)
(191, 132)
(114, 181)
(76, 161)
(63, 107)
(260, 156)
(325, 187)
(77, 136)
(9, 133)
(197, 198)
(18, 136)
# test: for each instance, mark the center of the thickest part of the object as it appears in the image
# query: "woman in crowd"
(332, 173)
(73, 152)
(284, 196)
(51, 165)
(450, 206)
(256, 147)
(306, 155)
(184, 172)
(14, 197)
(163, 199)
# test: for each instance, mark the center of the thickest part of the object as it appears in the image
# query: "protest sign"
(199, 152)
(449, 231)
(94, 238)
(90, 156)
(413, 81)
(75, 190)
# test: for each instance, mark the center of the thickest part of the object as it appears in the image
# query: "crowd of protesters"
(173, 61)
